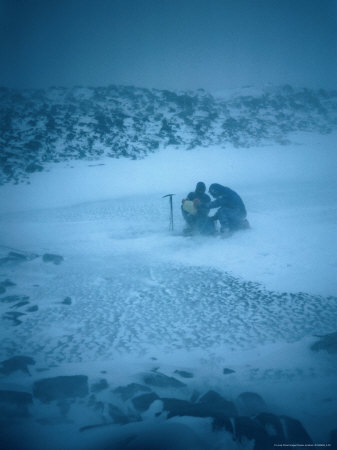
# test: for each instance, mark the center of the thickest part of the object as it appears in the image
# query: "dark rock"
(194, 397)
(212, 401)
(327, 342)
(55, 259)
(143, 402)
(20, 304)
(7, 283)
(222, 424)
(14, 298)
(16, 257)
(99, 386)
(32, 308)
(252, 430)
(17, 397)
(64, 407)
(160, 380)
(119, 417)
(184, 374)
(219, 409)
(16, 363)
(98, 425)
(34, 167)
(67, 301)
(62, 387)
(211, 396)
(294, 431)
(273, 427)
(130, 390)
(96, 404)
(177, 407)
(250, 404)
(228, 371)
(14, 404)
(13, 316)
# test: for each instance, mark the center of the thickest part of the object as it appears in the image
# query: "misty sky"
(173, 44)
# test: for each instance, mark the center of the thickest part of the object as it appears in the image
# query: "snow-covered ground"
(143, 298)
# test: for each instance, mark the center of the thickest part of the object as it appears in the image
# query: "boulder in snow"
(210, 405)
(160, 380)
(248, 429)
(143, 402)
(227, 371)
(62, 387)
(130, 390)
(250, 404)
(184, 373)
(327, 342)
(215, 403)
(16, 363)
(50, 257)
(294, 431)
(99, 386)
(14, 404)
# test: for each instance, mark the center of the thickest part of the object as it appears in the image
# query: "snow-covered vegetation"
(59, 124)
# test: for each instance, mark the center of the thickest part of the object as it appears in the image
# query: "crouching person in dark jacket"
(231, 211)
(195, 211)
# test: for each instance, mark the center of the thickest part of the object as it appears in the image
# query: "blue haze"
(168, 44)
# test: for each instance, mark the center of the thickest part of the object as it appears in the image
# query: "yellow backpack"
(189, 207)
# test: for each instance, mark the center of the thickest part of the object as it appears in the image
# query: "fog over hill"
(60, 124)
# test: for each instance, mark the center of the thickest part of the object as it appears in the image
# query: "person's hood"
(200, 188)
(216, 189)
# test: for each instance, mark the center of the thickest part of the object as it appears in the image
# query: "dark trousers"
(230, 218)
(199, 223)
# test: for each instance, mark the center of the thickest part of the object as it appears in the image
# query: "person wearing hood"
(231, 211)
(195, 211)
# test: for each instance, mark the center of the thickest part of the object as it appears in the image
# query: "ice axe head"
(168, 195)
(171, 210)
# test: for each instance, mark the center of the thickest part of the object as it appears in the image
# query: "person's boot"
(188, 231)
(244, 225)
(225, 232)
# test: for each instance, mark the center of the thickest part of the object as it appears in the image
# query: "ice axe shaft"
(171, 210)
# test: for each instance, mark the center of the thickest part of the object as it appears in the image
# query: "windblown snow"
(127, 297)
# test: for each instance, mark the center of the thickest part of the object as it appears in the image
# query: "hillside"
(58, 124)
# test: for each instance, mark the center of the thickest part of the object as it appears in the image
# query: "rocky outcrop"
(62, 387)
(51, 258)
(14, 404)
(327, 342)
(16, 363)
(60, 124)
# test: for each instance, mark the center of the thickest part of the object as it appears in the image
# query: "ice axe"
(171, 210)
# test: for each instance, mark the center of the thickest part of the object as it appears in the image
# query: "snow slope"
(290, 194)
(142, 298)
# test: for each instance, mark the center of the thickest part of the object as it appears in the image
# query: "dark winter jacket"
(203, 206)
(226, 197)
